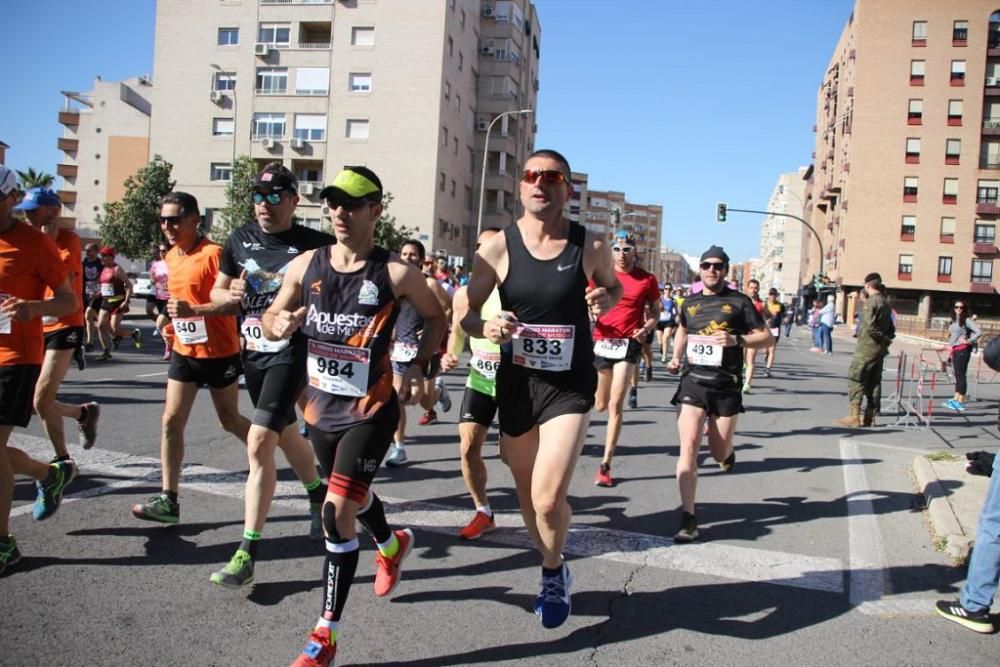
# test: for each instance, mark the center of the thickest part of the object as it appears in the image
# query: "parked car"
(143, 285)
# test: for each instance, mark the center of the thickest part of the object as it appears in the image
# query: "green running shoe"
(9, 553)
(137, 338)
(237, 572)
(50, 490)
(158, 508)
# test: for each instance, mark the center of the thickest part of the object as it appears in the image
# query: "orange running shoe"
(319, 652)
(387, 573)
(604, 476)
(479, 526)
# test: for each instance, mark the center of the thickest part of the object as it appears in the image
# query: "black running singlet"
(348, 324)
(548, 296)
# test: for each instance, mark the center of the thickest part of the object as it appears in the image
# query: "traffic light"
(720, 215)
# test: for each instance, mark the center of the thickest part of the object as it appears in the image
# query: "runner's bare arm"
(122, 276)
(410, 284)
(442, 296)
(221, 292)
(757, 338)
(600, 268)
(489, 267)
(459, 308)
(63, 302)
(285, 311)
(680, 344)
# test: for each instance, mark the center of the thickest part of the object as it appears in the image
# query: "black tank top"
(550, 291)
(353, 311)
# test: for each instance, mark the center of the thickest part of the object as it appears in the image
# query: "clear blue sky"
(673, 102)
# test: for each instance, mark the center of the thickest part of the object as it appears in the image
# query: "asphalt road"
(814, 550)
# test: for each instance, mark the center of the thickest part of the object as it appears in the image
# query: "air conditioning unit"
(267, 142)
(487, 50)
(482, 125)
(992, 81)
(307, 189)
(215, 96)
(261, 49)
(488, 11)
(298, 143)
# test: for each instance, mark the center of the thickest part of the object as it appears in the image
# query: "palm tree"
(35, 179)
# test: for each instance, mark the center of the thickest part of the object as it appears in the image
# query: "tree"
(239, 199)
(387, 234)
(35, 179)
(131, 225)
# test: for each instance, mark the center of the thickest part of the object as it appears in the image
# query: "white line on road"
(151, 375)
(866, 443)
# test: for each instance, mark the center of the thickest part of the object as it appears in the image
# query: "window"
(451, 47)
(920, 33)
(461, 20)
(444, 137)
(905, 267)
(989, 155)
(229, 36)
(985, 232)
(310, 126)
(454, 187)
(913, 151)
(917, 70)
(272, 80)
(982, 270)
(955, 112)
(908, 229)
(357, 128)
(275, 34)
(220, 171)
(952, 150)
(447, 90)
(441, 181)
(986, 192)
(950, 191)
(461, 61)
(222, 127)
(991, 113)
(958, 72)
(270, 125)
(363, 36)
(910, 188)
(467, 199)
(360, 82)
(944, 269)
(915, 112)
(224, 81)
(309, 174)
(454, 144)
(947, 234)
(312, 80)
(458, 101)
(959, 33)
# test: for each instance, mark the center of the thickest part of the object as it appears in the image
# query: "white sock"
(400, 446)
(485, 509)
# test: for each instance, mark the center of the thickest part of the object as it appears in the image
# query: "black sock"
(250, 541)
(338, 574)
(83, 415)
(552, 572)
(317, 494)
(171, 495)
(57, 459)
(373, 521)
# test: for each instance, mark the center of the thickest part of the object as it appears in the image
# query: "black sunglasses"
(346, 204)
(170, 219)
(717, 266)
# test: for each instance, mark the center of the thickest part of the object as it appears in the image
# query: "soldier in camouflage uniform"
(864, 378)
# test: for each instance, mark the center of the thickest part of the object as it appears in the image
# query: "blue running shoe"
(50, 490)
(553, 602)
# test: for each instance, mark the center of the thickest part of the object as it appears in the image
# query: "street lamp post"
(486, 153)
(232, 163)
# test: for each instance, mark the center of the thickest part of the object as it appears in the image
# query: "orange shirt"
(29, 262)
(70, 252)
(190, 278)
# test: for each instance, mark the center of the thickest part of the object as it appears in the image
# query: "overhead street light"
(486, 152)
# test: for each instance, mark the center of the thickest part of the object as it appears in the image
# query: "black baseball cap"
(276, 178)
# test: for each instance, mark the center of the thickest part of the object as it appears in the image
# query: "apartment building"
(674, 268)
(607, 211)
(906, 179)
(781, 238)
(3, 152)
(105, 140)
(410, 89)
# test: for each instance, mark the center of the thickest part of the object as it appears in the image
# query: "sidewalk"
(953, 499)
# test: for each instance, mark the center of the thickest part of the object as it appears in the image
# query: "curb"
(944, 522)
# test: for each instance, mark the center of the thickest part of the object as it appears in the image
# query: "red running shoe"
(319, 652)
(430, 417)
(387, 575)
(479, 526)
(604, 476)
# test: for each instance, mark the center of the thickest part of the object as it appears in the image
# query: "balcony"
(67, 170)
(985, 248)
(987, 207)
(986, 163)
(992, 86)
(314, 45)
(68, 145)
(993, 46)
(69, 118)
(991, 126)
(981, 287)
(67, 196)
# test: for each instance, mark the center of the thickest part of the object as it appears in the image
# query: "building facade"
(675, 268)
(605, 212)
(409, 89)
(3, 152)
(907, 162)
(105, 140)
(781, 238)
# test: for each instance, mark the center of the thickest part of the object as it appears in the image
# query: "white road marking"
(915, 450)
(151, 375)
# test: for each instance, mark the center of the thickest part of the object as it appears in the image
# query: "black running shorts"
(716, 402)
(631, 356)
(669, 324)
(69, 338)
(477, 408)
(17, 393)
(433, 367)
(216, 373)
(526, 400)
(274, 391)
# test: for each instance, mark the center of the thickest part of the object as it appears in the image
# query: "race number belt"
(485, 363)
(611, 348)
(544, 347)
(107, 289)
(404, 353)
(4, 317)
(704, 351)
(191, 330)
(256, 341)
(341, 370)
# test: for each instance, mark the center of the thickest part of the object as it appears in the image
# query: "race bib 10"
(544, 347)
(256, 341)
